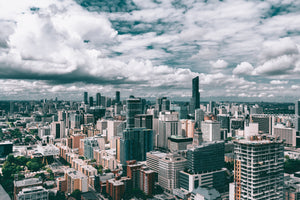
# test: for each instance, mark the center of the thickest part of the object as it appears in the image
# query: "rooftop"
(28, 182)
(3, 194)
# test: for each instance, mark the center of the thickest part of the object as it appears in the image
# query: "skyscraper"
(195, 101)
(98, 99)
(205, 167)
(258, 168)
(297, 113)
(91, 102)
(135, 143)
(85, 98)
(134, 107)
(117, 96)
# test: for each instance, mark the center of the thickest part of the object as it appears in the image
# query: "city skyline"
(239, 49)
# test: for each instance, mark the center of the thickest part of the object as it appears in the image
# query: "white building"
(33, 193)
(168, 171)
(211, 130)
(168, 125)
(258, 169)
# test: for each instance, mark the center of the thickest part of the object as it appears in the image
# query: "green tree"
(10, 158)
(291, 166)
(27, 139)
(76, 194)
(33, 166)
(1, 134)
(38, 138)
(60, 195)
(21, 160)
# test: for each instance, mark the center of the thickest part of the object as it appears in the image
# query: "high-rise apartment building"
(258, 169)
(76, 180)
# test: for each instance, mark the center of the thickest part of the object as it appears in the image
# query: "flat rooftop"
(28, 182)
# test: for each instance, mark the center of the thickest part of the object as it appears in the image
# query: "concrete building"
(168, 172)
(75, 140)
(115, 189)
(251, 129)
(143, 121)
(76, 180)
(264, 123)
(202, 193)
(204, 167)
(44, 131)
(258, 168)
(153, 158)
(58, 129)
(168, 125)
(112, 128)
(91, 144)
(211, 130)
(212, 179)
(236, 124)
(147, 180)
(26, 183)
(288, 135)
(224, 121)
(3, 194)
(88, 118)
(178, 143)
(33, 193)
(187, 128)
(292, 186)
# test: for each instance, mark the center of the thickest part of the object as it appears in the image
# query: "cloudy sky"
(239, 49)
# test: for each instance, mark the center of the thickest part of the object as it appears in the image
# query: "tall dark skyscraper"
(85, 98)
(195, 101)
(117, 96)
(134, 107)
(98, 99)
(91, 101)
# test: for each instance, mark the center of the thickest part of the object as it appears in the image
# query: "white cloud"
(278, 82)
(158, 49)
(283, 46)
(219, 64)
(277, 66)
(243, 68)
(295, 87)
